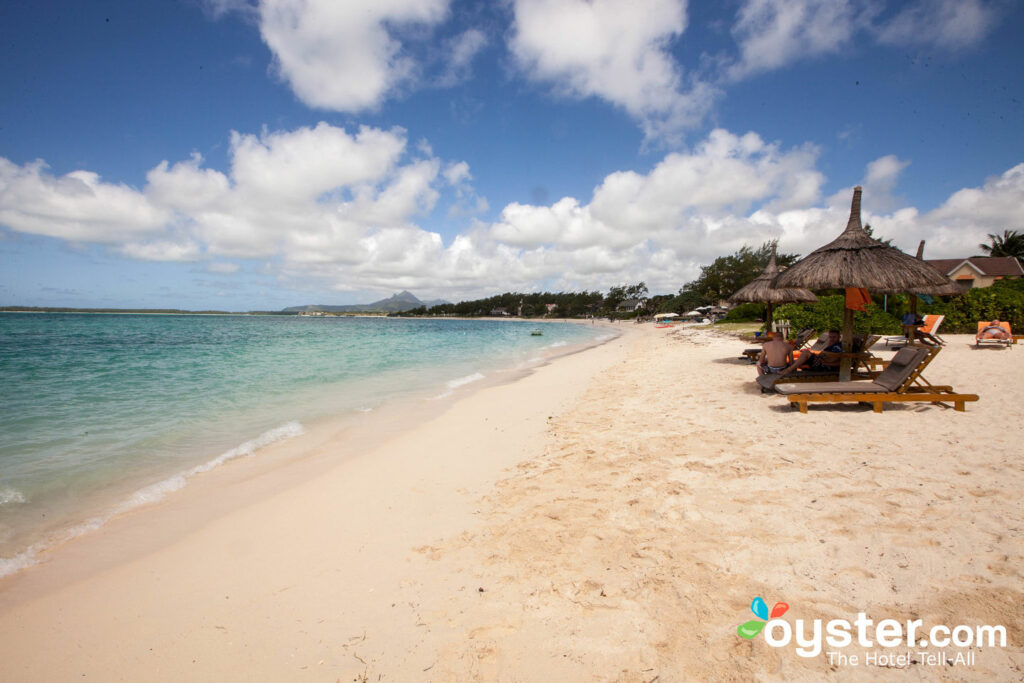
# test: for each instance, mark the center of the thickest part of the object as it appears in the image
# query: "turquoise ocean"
(102, 413)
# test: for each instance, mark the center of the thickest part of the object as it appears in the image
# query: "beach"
(607, 516)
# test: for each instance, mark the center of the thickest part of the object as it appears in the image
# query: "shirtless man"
(776, 355)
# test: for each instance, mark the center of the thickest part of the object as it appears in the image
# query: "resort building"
(979, 271)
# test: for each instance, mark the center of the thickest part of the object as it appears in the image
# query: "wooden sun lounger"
(860, 358)
(901, 381)
(931, 326)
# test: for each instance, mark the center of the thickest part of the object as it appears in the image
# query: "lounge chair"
(931, 326)
(798, 342)
(860, 356)
(901, 381)
(980, 338)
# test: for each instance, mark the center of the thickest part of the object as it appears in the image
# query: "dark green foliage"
(1003, 300)
(728, 274)
(569, 305)
(827, 314)
(745, 313)
(616, 295)
(686, 300)
(1010, 243)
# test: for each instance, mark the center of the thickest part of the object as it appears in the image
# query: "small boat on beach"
(536, 333)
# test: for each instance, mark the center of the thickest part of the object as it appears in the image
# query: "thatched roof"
(760, 289)
(854, 259)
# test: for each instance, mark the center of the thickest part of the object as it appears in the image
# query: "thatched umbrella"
(855, 259)
(761, 291)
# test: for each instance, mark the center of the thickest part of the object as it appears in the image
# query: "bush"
(744, 313)
(827, 313)
(1003, 300)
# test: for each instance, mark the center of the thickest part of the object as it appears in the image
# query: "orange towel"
(857, 298)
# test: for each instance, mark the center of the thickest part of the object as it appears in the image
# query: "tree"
(871, 233)
(728, 273)
(1010, 243)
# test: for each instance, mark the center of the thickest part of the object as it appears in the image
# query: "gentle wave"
(9, 495)
(147, 494)
(459, 382)
(462, 381)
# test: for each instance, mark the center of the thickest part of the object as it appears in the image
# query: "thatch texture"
(760, 289)
(854, 259)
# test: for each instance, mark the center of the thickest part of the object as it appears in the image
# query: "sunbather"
(826, 359)
(994, 330)
(776, 355)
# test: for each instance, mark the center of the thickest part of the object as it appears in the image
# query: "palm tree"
(1010, 243)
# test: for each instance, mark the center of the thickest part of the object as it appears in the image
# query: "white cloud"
(162, 250)
(358, 231)
(460, 52)
(342, 56)
(613, 50)
(881, 179)
(951, 24)
(301, 165)
(78, 206)
(773, 33)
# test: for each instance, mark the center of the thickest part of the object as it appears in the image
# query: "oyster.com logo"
(885, 642)
(760, 610)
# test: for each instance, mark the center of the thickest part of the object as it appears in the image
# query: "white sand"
(609, 517)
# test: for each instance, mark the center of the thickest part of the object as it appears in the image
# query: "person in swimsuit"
(994, 331)
(776, 355)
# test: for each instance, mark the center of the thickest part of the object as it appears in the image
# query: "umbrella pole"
(768, 320)
(912, 331)
(846, 362)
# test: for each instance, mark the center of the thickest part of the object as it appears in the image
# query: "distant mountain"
(403, 301)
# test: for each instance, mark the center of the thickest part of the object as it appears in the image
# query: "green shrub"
(1003, 300)
(827, 313)
(744, 313)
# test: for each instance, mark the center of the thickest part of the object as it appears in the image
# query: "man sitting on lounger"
(994, 331)
(776, 355)
(826, 359)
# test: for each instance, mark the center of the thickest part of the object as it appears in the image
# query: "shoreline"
(609, 516)
(129, 496)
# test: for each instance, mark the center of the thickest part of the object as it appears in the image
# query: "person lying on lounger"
(994, 331)
(776, 355)
(826, 359)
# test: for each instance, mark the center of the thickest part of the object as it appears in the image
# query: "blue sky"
(255, 155)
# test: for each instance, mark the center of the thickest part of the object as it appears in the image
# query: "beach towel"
(857, 299)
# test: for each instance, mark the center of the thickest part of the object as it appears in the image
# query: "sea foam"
(144, 496)
(10, 496)
(458, 382)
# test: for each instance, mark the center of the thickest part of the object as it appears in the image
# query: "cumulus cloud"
(344, 210)
(343, 56)
(613, 50)
(78, 206)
